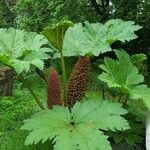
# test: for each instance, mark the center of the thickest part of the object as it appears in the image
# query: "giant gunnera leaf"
(78, 130)
(96, 38)
(123, 75)
(20, 49)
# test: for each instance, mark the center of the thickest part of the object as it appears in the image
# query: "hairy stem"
(41, 75)
(126, 100)
(103, 92)
(64, 76)
(119, 100)
(31, 92)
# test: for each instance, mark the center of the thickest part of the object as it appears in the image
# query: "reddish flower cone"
(78, 81)
(54, 90)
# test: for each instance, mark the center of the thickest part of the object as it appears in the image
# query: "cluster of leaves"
(21, 50)
(123, 75)
(74, 129)
(78, 129)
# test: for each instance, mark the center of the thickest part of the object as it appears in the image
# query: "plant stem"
(64, 76)
(41, 75)
(119, 100)
(103, 92)
(32, 92)
(85, 97)
(126, 99)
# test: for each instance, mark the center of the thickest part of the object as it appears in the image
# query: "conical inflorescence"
(78, 81)
(54, 89)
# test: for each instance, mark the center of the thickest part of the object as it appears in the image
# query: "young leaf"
(96, 38)
(78, 129)
(20, 49)
(138, 58)
(55, 34)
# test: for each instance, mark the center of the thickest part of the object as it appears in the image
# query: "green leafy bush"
(83, 125)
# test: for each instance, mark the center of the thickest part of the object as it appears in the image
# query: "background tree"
(37, 14)
(6, 15)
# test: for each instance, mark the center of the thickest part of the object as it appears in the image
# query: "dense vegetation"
(79, 84)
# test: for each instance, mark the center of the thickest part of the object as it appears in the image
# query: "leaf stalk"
(31, 92)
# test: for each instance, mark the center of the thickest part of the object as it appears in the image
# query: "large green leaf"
(94, 111)
(120, 73)
(78, 129)
(96, 38)
(123, 75)
(20, 49)
(55, 34)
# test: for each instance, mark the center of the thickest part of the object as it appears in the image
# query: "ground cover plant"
(69, 119)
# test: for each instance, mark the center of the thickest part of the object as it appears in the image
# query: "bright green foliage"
(138, 58)
(55, 34)
(124, 75)
(20, 49)
(96, 38)
(120, 73)
(78, 129)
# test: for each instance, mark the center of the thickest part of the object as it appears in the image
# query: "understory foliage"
(79, 129)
